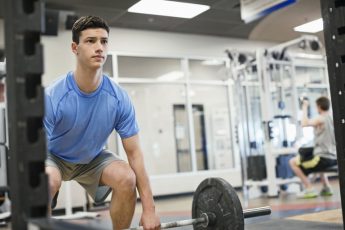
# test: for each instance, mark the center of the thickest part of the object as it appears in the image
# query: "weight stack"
(283, 169)
(256, 167)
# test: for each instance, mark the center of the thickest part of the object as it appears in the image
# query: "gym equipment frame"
(333, 13)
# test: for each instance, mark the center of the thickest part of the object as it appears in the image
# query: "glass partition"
(164, 131)
(161, 69)
(166, 103)
(212, 127)
(310, 75)
(211, 69)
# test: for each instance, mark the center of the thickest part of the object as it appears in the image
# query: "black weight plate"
(217, 196)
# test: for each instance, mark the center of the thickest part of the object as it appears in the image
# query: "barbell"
(216, 206)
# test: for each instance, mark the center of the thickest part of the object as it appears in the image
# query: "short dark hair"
(87, 22)
(323, 103)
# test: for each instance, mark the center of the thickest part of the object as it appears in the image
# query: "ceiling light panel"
(168, 8)
(311, 27)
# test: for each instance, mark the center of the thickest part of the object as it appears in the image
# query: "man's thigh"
(322, 164)
(54, 163)
(89, 175)
(115, 172)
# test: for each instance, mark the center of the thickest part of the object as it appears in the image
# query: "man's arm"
(305, 120)
(136, 161)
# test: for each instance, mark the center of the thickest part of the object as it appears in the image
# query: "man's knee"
(54, 185)
(128, 180)
(119, 176)
(54, 178)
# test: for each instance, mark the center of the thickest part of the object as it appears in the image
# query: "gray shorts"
(87, 175)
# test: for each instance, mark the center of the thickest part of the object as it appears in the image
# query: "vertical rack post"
(27, 150)
(333, 13)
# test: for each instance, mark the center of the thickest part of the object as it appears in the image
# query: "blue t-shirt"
(78, 124)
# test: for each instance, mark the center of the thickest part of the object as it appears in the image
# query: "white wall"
(59, 58)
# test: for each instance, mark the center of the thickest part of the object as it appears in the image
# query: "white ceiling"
(279, 25)
(223, 18)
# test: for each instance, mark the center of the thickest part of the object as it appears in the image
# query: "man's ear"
(74, 47)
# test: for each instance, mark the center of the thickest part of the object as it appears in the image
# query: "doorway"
(184, 159)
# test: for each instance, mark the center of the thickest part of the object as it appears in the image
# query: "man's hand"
(150, 221)
(305, 103)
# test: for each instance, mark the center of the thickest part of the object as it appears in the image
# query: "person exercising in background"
(322, 155)
(82, 108)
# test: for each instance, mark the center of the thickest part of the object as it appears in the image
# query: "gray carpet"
(292, 225)
(276, 224)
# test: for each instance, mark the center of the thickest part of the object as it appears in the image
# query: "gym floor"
(284, 208)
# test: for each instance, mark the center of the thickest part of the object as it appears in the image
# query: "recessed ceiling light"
(311, 27)
(168, 8)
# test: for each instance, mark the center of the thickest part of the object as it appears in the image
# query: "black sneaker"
(54, 201)
(101, 194)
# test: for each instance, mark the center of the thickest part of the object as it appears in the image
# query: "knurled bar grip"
(247, 213)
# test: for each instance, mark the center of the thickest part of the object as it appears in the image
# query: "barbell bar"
(216, 206)
(208, 219)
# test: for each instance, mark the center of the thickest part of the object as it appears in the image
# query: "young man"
(82, 109)
(322, 155)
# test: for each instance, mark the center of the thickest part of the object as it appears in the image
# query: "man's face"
(92, 48)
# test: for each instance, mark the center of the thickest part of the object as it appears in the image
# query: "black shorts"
(322, 165)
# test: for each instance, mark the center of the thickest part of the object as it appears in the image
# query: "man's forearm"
(305, 119)
(143, 182)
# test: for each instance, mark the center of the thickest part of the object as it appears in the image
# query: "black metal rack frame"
(333, 13)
